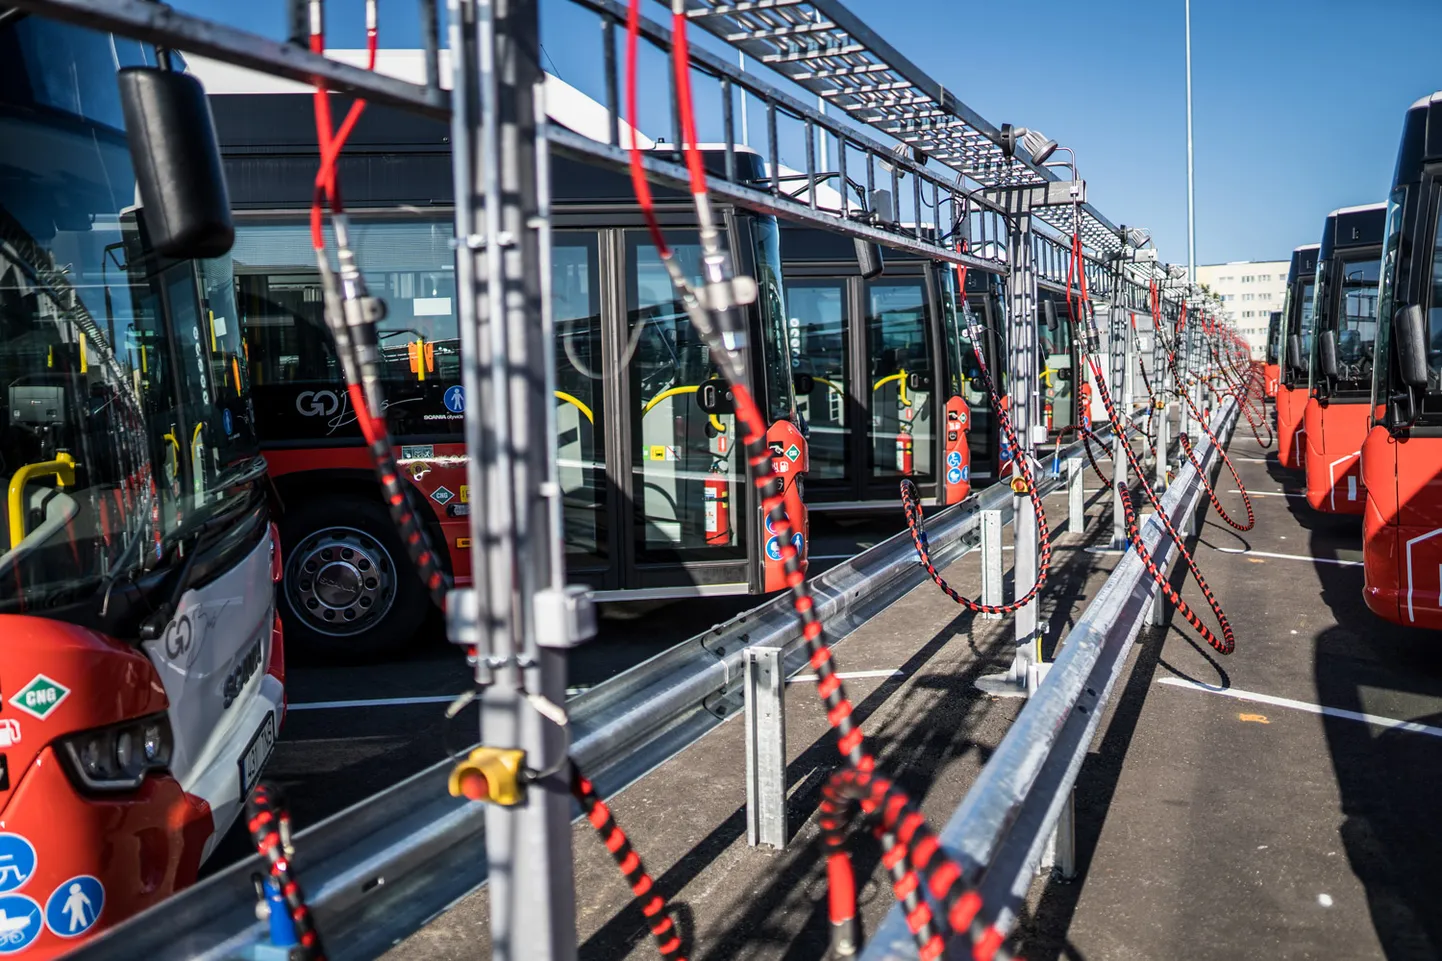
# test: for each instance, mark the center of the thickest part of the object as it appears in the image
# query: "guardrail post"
(991, 566)
(1076, 521)
(765, 684)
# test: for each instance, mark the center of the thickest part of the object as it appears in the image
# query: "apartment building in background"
(1250, 291)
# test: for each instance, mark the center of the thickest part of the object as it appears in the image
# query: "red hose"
(942, 872)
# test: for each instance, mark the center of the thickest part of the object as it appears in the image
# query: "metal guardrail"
(1004, 824)
(382, 868)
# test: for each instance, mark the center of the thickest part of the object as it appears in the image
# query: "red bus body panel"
(1291, 406)
(1273, 378)
(143, 845)
(1334, 435)
(1402, 528)
(446, 467)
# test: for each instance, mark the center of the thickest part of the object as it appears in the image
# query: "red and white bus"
(142, 666)
(1296, 342)
(1402, 454)
(1340, 365)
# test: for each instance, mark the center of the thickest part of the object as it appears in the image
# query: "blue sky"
(1298, 104)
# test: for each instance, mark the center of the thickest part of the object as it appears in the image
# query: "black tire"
(349, 591)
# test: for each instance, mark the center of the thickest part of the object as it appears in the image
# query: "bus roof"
(1350, 227)
(1304, 262)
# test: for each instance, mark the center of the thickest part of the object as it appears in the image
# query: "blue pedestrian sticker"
(798, 542)
(953, 476)
(773, 548)
(227, 423)
(17, 862)
(953, 459)
(75, 906)
(966, 472)
(455, 399)
(20, 923)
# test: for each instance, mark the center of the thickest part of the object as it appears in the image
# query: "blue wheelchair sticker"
(953, 459)
(17, 862)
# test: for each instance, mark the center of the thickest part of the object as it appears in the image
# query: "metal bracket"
(1056, 193)
(565, 617)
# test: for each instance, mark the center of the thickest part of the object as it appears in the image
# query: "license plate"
(256, 753)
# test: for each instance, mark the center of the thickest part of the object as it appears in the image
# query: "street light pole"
(1191, 180)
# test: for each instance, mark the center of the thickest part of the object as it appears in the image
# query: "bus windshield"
(127, 412)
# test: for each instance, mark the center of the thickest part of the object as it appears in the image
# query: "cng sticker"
(793, 452)
(41, 696)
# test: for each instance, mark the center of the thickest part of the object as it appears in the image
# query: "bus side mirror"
(1294, 352)
(1410, 325)
(714, 397)
(869, 259)
(177, 163)
(1327, 344)
(1048, 309)
(920, 380)
(803, 384)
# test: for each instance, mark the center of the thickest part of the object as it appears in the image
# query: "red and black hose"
(266, 820)
(944, 873)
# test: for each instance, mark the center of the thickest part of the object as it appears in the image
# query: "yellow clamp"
(490, 774)
(1020, 486)
(1159, 404)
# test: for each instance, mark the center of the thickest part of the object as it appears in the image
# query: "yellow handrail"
(63, 467)
(675, 391)
(900, 377)
(578, 404)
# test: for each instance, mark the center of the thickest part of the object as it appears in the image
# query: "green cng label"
(40, 696)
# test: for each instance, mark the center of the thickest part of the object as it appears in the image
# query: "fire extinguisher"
(1085, 418)
(717, 496)
(904, 458)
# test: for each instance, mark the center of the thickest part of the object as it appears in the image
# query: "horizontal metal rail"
(1004, 823)
(381, 869)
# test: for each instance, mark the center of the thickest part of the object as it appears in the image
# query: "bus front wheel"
(350, 591)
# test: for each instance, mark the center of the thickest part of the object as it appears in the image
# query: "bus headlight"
(118, 757)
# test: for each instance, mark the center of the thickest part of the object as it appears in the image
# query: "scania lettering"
(655, 498)
(1402, 455)
(138, 562)
(1340, 362)
(1296, 343)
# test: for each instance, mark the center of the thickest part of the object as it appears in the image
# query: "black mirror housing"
(1294, 352)
(1409, 324)
(715, 397)
(869, 259)
(177, 163)
(1327, 347)
(1048, 309)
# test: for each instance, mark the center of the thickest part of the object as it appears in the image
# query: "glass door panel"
(901, 442)
(580, 396)
(687, 466)
(820, 342)
(1058, 382)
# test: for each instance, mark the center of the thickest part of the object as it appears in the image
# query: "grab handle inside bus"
(178, 170)
(1409, 323)
(62, 468)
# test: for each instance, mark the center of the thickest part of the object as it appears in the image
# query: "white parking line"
(376, 702)
(844, 675)
(1291, 557)
(1390, 723)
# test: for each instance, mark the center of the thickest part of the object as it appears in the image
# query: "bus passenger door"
(900, 373)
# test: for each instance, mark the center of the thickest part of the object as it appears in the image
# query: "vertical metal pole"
(991, 566)
(1191, 183)
(1162, 376)
(1023, 384)
(1121, 354)
(745, 127)
(1076, 520)
(765, 686)
(503, 243)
